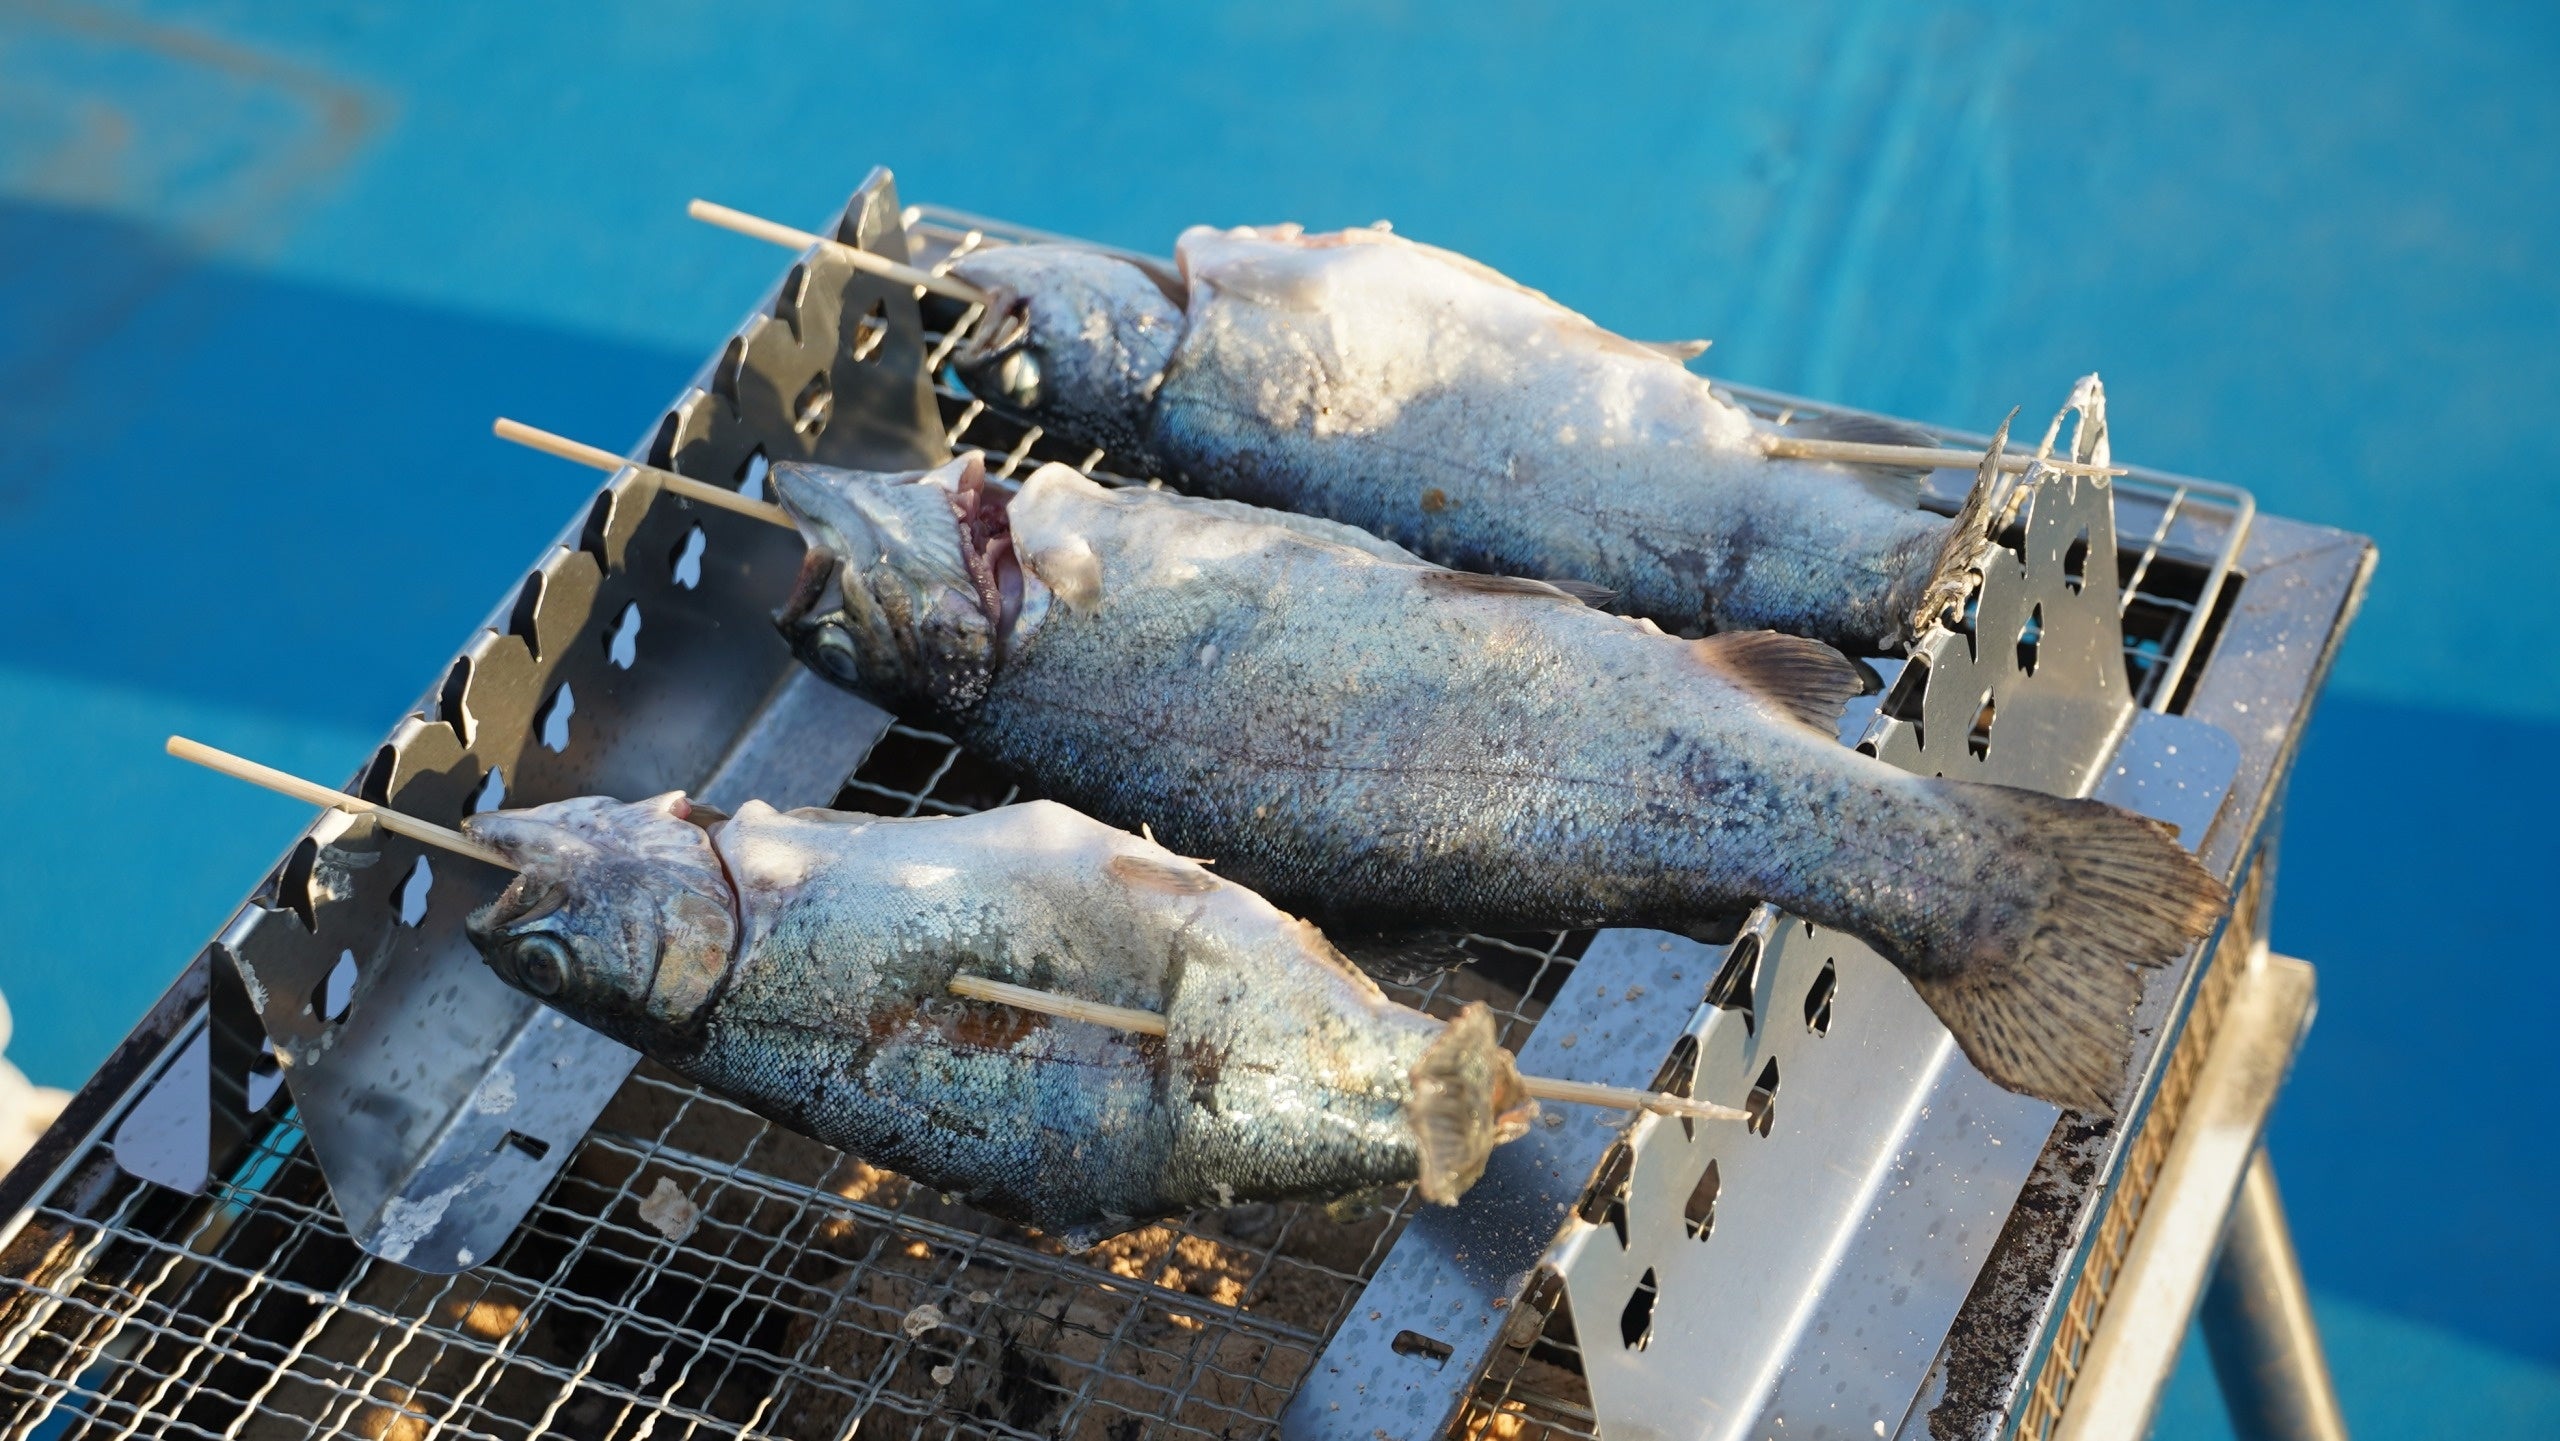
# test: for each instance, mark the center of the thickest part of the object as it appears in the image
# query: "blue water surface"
(266, 272)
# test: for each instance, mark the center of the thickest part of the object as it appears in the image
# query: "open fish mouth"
(999, 332)
(979, 509)
(815, 591)
(983, 512)
(520, 903)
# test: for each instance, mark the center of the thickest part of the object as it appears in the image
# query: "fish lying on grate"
(1395, 749)
(1423, 397)
(802, 963)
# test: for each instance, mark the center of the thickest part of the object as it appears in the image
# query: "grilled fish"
(1397, 750)
(1416, 394)
(799, 962)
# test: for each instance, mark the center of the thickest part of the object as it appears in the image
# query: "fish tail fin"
(1467, 1099)
(2041, 997)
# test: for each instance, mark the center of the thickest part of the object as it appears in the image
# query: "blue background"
(266, 273)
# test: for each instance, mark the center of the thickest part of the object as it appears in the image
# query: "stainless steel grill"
(785, 1312)
(813, 1295)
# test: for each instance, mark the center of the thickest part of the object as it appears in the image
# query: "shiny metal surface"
(2258, 1324)
(636, 659)
(1848, 1231)
(1836, 1253)
(2009, 1363)
(2155, 1291)
(1453, 1288)
(253, 1310)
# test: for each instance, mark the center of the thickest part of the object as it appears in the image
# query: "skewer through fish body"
(1419, 395)
(1402, 752)
(801, 963)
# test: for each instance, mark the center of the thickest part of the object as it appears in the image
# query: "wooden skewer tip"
(596, 457)
(979, 988)
(791, 238)
(1857, 452)
(311, 793)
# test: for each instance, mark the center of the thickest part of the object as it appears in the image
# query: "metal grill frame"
(98, 1270)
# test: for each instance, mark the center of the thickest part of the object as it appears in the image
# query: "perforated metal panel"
(793, 1308)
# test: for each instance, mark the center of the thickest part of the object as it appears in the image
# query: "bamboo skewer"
(605, 460)
(1148, 1023)
(1784, 447)
(759, 228)
(1914, 457)
(239, 768)
(975, 988)
(1050, 1003)
(1628, 1098)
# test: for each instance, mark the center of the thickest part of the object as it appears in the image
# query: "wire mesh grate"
(812, 1292)
(795, 1292)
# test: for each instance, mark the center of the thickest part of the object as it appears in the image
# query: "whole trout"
(1418, 395)
(1395, 750)
(800, 963)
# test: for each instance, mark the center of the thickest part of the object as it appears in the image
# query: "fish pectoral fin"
(1805, 678)
(1680, 350)
(1594, 596)
(1474, 583)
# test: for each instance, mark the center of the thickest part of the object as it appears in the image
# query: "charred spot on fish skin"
(1206, 1064)
(889, 1021)
(990, 1025)
(959, 1121)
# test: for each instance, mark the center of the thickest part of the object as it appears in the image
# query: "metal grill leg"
(2257, 1323)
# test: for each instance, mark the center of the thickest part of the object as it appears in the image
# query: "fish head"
(902, 598)
(1074, 341)
(621, 914)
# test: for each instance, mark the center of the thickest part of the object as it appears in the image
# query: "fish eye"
(836, 654)
(541, 962)
(1018, 378)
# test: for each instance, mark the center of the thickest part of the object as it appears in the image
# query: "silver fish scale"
(240, 1304)
(1283, 1076)
(1422, 754)
(1695, 532)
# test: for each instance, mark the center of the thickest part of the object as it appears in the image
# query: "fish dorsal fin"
(1473, 583)
(1594, 596)
(1804, 678)
(1901, 487)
